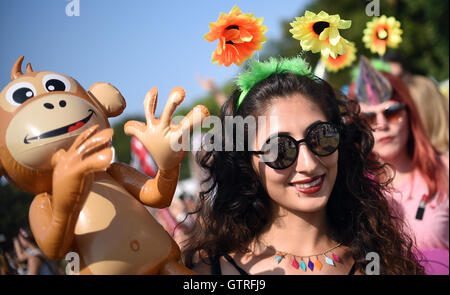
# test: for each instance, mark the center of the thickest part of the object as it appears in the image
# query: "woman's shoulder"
(445, 160)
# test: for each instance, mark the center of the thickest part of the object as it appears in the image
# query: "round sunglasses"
(392, 114)
(280, 151)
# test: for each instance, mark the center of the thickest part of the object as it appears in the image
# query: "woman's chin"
(388, 156)
(388, 153)
(309, 203)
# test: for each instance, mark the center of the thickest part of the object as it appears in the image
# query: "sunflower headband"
(259, 71)
(241, 34)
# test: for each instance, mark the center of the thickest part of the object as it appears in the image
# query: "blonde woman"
(433, 109)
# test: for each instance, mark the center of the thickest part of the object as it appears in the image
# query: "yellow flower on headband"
(240, 35)
(382, 32)
(320, 33)
(341, 61)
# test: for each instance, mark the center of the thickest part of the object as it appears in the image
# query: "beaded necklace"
(330, 259)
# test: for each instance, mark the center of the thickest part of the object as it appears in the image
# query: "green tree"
(425, 45)
(122, 142)
(14, 207)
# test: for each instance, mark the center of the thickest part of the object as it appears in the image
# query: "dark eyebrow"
(312, 125)
(290, 134)
(276, 134)
(280, 133)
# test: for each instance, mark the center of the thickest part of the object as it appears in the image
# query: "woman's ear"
(109, 98)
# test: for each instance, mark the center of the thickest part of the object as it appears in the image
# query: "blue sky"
(133, 45)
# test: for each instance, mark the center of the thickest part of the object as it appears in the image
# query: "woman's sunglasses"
(392, 114)
(281, 151)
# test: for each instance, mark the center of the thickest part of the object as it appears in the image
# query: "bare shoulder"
(444, 159)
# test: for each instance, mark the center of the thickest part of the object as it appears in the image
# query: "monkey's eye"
(19, 93)
(55, 85)
(53, 82)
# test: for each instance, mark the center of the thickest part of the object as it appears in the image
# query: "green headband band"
(259, 71)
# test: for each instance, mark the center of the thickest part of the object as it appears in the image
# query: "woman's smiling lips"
(309, 185)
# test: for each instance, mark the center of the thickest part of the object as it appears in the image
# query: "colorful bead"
(318, 264)
(329, 260)
(303, 265)
(311, 265)
(295, 263)
(335, 257)
(279, 256)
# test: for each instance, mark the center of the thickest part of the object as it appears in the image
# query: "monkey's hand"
(73, 169)
(162, 139)
(53, 216)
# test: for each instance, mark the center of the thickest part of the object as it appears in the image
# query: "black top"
(216, 269)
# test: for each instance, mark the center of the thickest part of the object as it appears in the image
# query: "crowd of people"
(23, 257)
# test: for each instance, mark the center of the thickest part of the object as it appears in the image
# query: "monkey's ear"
(109, 97)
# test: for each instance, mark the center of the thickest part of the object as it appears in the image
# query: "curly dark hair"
(235, 208)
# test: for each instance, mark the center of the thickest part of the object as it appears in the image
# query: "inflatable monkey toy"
(55, 142)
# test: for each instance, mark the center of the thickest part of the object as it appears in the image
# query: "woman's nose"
(306, 160)
(382, 123)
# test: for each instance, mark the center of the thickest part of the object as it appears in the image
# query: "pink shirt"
(433, 230)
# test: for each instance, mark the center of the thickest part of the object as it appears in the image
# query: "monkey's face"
(42, 112)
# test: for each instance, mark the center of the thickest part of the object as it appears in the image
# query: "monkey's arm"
(52, 231)
(157, 192)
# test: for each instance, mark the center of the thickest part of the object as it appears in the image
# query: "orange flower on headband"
(240, 35)
(382, 32)
(342, 60)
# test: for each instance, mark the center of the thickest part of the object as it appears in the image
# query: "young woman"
(315, 206)
(433, 108)
(421, 174)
